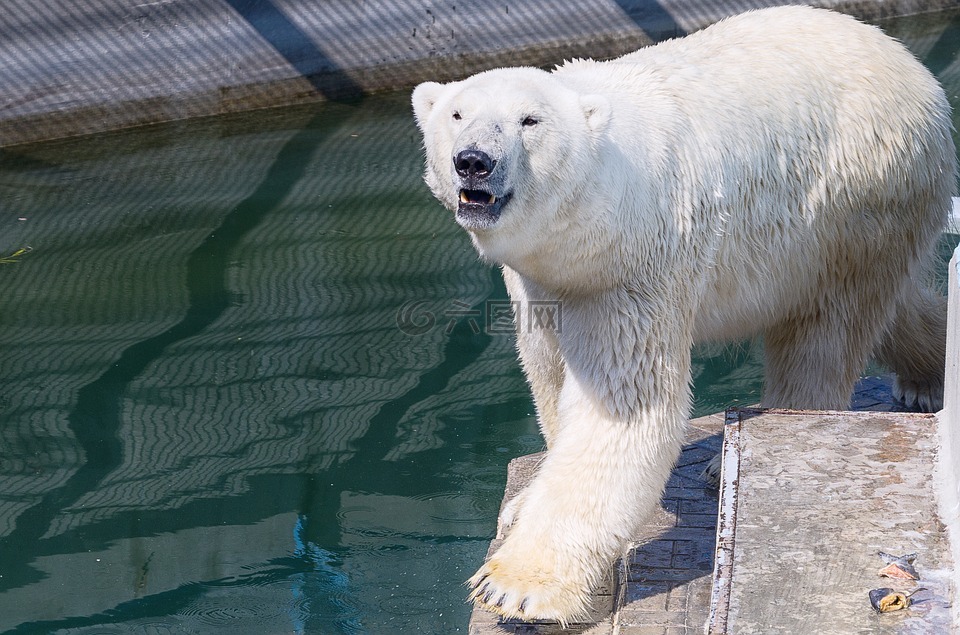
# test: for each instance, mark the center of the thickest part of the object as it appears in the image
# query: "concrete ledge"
(804, 515)
(76, 68)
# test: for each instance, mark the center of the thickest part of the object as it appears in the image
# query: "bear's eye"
(456, 116)
(529, 122)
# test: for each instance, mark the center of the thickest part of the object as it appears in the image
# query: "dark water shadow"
(366, 470)
(96, 417)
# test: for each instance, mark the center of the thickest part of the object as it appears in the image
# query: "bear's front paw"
(526, 585)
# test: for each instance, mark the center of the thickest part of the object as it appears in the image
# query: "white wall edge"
(948, 469)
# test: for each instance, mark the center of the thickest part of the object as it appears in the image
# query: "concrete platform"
(803, 515)
(664, 587)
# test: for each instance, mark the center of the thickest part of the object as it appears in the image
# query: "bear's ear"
(596, 110)
(424, 98)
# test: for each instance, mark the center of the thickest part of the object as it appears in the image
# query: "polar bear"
(782, 173)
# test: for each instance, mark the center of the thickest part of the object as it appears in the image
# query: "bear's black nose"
(473, 162)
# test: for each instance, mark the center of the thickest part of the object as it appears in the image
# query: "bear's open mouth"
(476, 197)
(479, 208)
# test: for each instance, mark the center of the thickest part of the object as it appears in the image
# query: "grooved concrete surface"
(664, 585)
(805, 514)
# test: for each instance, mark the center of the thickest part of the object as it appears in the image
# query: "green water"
(248, 383)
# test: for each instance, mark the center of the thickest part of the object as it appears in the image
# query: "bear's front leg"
(538, 348)
(603, 474)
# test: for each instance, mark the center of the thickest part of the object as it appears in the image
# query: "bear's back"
(779, 132)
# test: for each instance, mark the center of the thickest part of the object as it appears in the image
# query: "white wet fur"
(783, 173)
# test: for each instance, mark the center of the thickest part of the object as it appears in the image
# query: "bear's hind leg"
(814, 359)
(914, 348)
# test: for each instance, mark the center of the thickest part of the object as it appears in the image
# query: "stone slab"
(808, 499)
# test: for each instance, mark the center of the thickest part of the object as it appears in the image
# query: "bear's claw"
(513, 593)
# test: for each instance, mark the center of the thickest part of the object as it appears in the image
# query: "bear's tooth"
(463, 196)
(492, 200)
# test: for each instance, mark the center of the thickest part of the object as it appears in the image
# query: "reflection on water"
(212, 419)
(210, 414)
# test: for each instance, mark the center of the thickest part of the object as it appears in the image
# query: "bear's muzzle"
(480, 200)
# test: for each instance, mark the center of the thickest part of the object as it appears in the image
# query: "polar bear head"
(506, 151)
